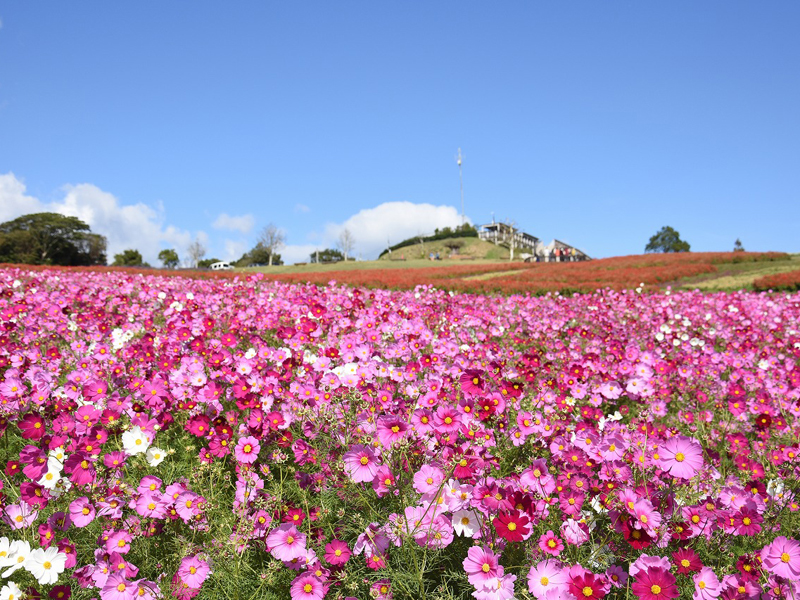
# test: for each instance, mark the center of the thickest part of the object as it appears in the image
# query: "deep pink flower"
(551, 543)
(655, 584)
(337, 552)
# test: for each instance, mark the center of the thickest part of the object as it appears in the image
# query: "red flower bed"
(789, 281)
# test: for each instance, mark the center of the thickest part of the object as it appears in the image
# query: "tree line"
(60, 240)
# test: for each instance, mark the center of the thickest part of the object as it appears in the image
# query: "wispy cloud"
(301, 208)
(242, 223)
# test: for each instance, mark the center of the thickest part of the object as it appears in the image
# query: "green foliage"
(129, 258)
(465, 230)
(327, 256)
(667, 240)
(51, 239)
(737, 246)
(169, 258)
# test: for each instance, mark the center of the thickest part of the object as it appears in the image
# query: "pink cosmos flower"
(286, 543)
(19, 516)
(782, 558)
(545, 577)
(481, 565)
(428, 479)
(193, 571)
(337, 552)
(706, 585)
(247, 449)
(117, 587)
(360, 463)
(551, 544)
(681, 457)
(391, 429)
(81, 512)
(307, 587)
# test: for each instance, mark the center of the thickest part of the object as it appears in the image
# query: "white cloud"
(241, 223)
(234, 250)
(391, 222)
(301, 208)
(295, 253)
(136, 226)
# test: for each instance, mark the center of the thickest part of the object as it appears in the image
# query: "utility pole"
(461, 181)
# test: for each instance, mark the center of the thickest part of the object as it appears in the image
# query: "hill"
(449, 250)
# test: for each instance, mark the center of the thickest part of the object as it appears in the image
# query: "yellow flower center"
(364, 460)
(785, 557)
(655, 588)
(587, 591)
(486, 568)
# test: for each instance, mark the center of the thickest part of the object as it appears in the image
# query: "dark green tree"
(129, 258)
(326, 256)
(737, 246)
(667, 240)
(169, 258)
(51, 239)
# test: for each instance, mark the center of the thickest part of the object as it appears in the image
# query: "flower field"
(789, 281)
(242, 437)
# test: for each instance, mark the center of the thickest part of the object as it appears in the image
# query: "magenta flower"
(428, 479)
(337, 552)
(782, 558)
(193, 571)
(81, 512)
(481, 565)
(551, 543)
(655, 584)
(247, 449)
(286, 543)
(360, 464)
(391, 429)
(19, 516)
(681, 457)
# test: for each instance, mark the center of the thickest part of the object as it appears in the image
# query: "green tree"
(737, 246)
(169, 258)
(667, 240)
(51, 239)
(327, 255)
(129, 258)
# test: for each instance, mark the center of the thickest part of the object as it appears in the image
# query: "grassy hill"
(471, 248)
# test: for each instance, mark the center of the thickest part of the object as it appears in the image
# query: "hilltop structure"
(529, 246)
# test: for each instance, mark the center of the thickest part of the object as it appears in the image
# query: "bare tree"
(346, 242)
(196, 251)
(272, 238)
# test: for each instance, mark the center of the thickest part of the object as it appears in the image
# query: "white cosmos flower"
(18, 555)
(155, 456)
(465, 523)
(5, 548)
(134, 441)
(10, 591)
(46, 565)
(50, 479)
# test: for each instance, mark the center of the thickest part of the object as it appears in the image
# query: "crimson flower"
(512, 526)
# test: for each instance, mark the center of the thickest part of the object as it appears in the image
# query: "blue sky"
(596, 123)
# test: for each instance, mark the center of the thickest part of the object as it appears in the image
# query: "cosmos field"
(171, 437)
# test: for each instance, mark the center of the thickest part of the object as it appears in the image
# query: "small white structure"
(221, 266)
